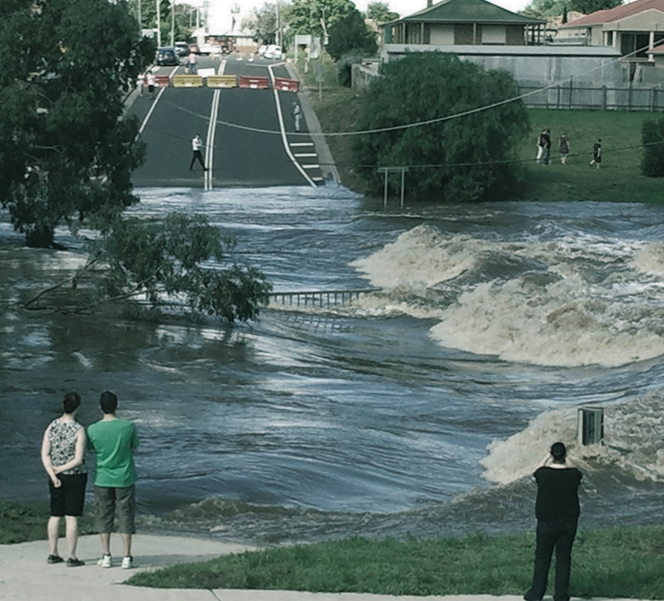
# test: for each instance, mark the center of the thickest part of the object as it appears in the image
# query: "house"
(496, 38)
(633, 29)
(464, 23)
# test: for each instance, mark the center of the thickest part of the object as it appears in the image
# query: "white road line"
(311, 166)
(283, 133)
(301, 143)
(209, 142)
(154, 104)
(307, 155)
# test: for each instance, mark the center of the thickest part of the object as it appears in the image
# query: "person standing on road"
(191, 63)
(63, 457)
(297, 115)
(114, 441)
(196, 145)
(152, 80)
(557, 511)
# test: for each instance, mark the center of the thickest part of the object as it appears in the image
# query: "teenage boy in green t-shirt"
(114, 441)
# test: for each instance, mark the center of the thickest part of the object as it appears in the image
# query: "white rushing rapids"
(572, 301)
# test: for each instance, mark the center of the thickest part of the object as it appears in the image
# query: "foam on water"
(570, 301)
(633, 443)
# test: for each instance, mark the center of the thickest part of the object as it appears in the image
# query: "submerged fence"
(317, 298)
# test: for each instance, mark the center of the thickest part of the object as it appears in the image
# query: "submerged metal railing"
(317, 298)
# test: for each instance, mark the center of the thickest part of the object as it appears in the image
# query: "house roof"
(616, 14)
(657, 49)
(468, 11)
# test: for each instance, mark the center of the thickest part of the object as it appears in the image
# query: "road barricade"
(261, 83)
(160, 81)
(187, 81)
(222, 81)
(286, 85)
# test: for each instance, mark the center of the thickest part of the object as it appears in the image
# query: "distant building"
(635, 30)
(483, 33)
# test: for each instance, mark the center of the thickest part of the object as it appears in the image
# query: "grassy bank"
(618, 180)
(606, 563)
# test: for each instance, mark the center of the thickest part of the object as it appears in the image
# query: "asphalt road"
(249, 134)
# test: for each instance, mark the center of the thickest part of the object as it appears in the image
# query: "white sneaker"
(105, 561)
(127, 562)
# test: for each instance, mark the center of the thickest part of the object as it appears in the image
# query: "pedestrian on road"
(297, 115)
(63, 457)
(196, 145)
(114, 441)
(557, 511)
(563, 148)
(597, 153)
(191, 63)
(151, 83)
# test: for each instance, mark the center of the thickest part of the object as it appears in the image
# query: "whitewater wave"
(572, 301)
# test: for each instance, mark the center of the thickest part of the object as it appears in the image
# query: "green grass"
(614, 563)
(19, 523)
(618, 180)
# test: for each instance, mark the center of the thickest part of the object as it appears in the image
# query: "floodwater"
(420, 409)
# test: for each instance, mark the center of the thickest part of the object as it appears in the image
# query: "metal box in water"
(591, 425)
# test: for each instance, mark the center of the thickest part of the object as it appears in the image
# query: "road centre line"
(283, 132)
(209, 148)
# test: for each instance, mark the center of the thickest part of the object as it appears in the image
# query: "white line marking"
(283, 133)
(209, 148)
(301, 143)
(306, 155)
(311, 166)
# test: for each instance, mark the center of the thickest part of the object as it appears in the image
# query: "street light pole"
(173, 23)
(158, 24)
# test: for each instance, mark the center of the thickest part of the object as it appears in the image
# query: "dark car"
(182, 48)
(167, 56)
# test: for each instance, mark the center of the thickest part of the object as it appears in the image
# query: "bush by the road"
(450, 122)
(652, 164)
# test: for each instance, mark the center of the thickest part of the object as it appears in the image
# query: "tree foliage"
(652, 135)
(162, 262)
(66, 154)
(460, 159)
(263, 23)
(590, 6)
(380, 12)
(315, 17)
(555, 8)
(350, 33)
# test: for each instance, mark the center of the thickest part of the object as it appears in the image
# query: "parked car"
(182, 48)
(273, 52)
(167, 56)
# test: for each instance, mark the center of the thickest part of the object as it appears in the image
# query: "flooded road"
(420, 409)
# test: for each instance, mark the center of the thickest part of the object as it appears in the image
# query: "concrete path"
(25, 575)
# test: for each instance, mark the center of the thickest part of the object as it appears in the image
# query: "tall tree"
(263, 23)
(66, 154)
(315, 17)
(465, 158)
(380, 11)
(350, 33)
(590, 6)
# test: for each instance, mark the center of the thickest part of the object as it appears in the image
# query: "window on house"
(636, 44)
(493, 34)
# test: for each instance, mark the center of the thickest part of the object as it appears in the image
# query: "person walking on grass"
(557, 511)
(63, 457)
(597, 153)
(114, 441)
(563, 148)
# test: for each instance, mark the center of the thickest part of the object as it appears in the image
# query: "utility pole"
(158, 24)
(172, 23)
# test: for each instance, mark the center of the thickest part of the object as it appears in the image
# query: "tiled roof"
(468, 11)
(616, 14)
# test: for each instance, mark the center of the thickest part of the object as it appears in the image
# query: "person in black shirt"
(557, 511)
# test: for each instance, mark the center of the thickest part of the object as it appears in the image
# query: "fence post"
(604, 98)
(570, 93)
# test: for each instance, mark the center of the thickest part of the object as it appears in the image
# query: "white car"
(273, 52)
